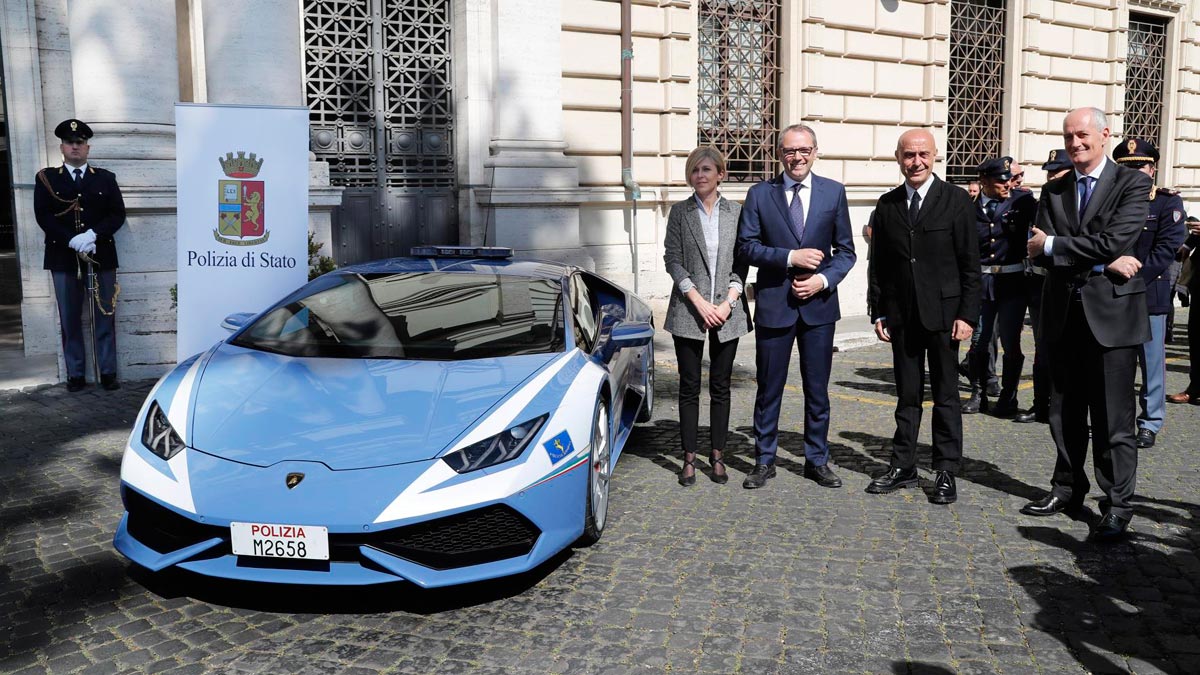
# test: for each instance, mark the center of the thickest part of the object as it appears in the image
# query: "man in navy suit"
(796, 229)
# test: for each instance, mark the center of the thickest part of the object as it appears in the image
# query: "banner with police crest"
(234, 253)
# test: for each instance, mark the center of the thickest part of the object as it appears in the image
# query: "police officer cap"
(1057, 161)
(72, 130)
(1135, 151)
(999, 168)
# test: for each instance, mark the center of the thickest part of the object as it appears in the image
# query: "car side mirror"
(235, 322)
(627, 334)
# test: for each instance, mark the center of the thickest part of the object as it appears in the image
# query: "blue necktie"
(78, 178)
(1085, 194)
(796, 212)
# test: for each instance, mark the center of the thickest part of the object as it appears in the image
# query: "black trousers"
(1193, 328)
(910, 347)
(1041, 366)
(1088, 378)
(688, 354)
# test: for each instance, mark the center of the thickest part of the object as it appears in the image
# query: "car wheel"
(599, 472)
(648, 405)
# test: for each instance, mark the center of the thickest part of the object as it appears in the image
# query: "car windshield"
(422, 316)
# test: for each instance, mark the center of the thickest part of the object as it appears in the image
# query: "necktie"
(991, 209)
(796, 212)
(914, 209)
(1085, 194)
(78, 177)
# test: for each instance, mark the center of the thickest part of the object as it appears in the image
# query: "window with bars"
(1144, 73)
(975, 114)
(739, 84)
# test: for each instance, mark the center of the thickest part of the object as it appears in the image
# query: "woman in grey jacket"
(705, 303)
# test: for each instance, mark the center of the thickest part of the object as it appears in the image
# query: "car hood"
(261, 408)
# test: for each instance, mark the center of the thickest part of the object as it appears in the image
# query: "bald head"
(915, 153)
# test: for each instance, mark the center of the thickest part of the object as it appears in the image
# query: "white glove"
(82, 239)
(88, 249)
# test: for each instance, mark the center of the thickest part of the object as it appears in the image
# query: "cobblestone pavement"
(792, 578)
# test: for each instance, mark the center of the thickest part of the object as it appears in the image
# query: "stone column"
(252, 52)
(252, 57)
(535, 186)
(125, 73)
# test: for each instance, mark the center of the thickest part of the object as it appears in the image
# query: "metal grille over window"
(1144, 77)
(738, 83)
(378, 80)
(976, 115)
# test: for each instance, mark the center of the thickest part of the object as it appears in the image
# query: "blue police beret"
(1135, 151)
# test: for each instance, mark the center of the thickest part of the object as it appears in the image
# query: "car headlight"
(159, 436)
(504, 446)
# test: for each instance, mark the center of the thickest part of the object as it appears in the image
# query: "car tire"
(647, 410)
(599, 473)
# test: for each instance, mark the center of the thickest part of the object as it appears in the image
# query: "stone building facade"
(528, 140)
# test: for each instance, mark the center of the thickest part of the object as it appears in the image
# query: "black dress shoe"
(713, 460)
(823, 475)
(993, 389)
(1032, 415)
(1145, 438)
(944, 491)
(1050, 505)
(893, 480)
(1111, 528)
(109, 382)
(758, 477)
(76, 384)
(973, 404)
(1005, 409)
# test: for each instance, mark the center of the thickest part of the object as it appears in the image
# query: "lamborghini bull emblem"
(241, 204)
(293, 479)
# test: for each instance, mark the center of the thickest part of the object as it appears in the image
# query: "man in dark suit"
(1156, 247)
(923, 297)
(796, 229)
(1093, 321)
(80, 208)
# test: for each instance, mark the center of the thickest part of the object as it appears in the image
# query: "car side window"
(583, 310)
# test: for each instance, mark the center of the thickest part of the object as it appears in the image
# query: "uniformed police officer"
(1002, 217)
(79, 206)
(1156, 247)
(1057, 164)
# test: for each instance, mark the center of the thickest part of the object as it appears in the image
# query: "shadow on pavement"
(1132, 601)
(919, 668)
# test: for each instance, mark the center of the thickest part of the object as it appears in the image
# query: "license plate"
(269, 540)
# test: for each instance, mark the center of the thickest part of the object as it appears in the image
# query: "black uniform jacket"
(1161, 237)
(101, 209)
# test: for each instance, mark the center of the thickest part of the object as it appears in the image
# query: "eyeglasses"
(1018, 176)
(792, 152)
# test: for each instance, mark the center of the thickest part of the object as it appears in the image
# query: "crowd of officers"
(1011, 284)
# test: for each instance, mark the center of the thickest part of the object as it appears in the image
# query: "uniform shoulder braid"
(1164, 191)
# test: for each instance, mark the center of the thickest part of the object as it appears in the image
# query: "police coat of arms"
(241, 204)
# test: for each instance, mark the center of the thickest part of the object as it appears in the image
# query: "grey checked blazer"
(686, 256)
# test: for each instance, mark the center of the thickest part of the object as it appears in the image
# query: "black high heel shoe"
(684, 479)
(718, 478)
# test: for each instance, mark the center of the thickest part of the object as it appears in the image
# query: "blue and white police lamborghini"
(441, 419)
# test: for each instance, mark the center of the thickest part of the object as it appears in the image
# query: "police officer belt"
(1002, 269)
(1040, 271)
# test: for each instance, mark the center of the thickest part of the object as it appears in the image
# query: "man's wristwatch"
(732, 303)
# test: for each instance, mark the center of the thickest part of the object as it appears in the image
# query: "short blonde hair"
(699, 155)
